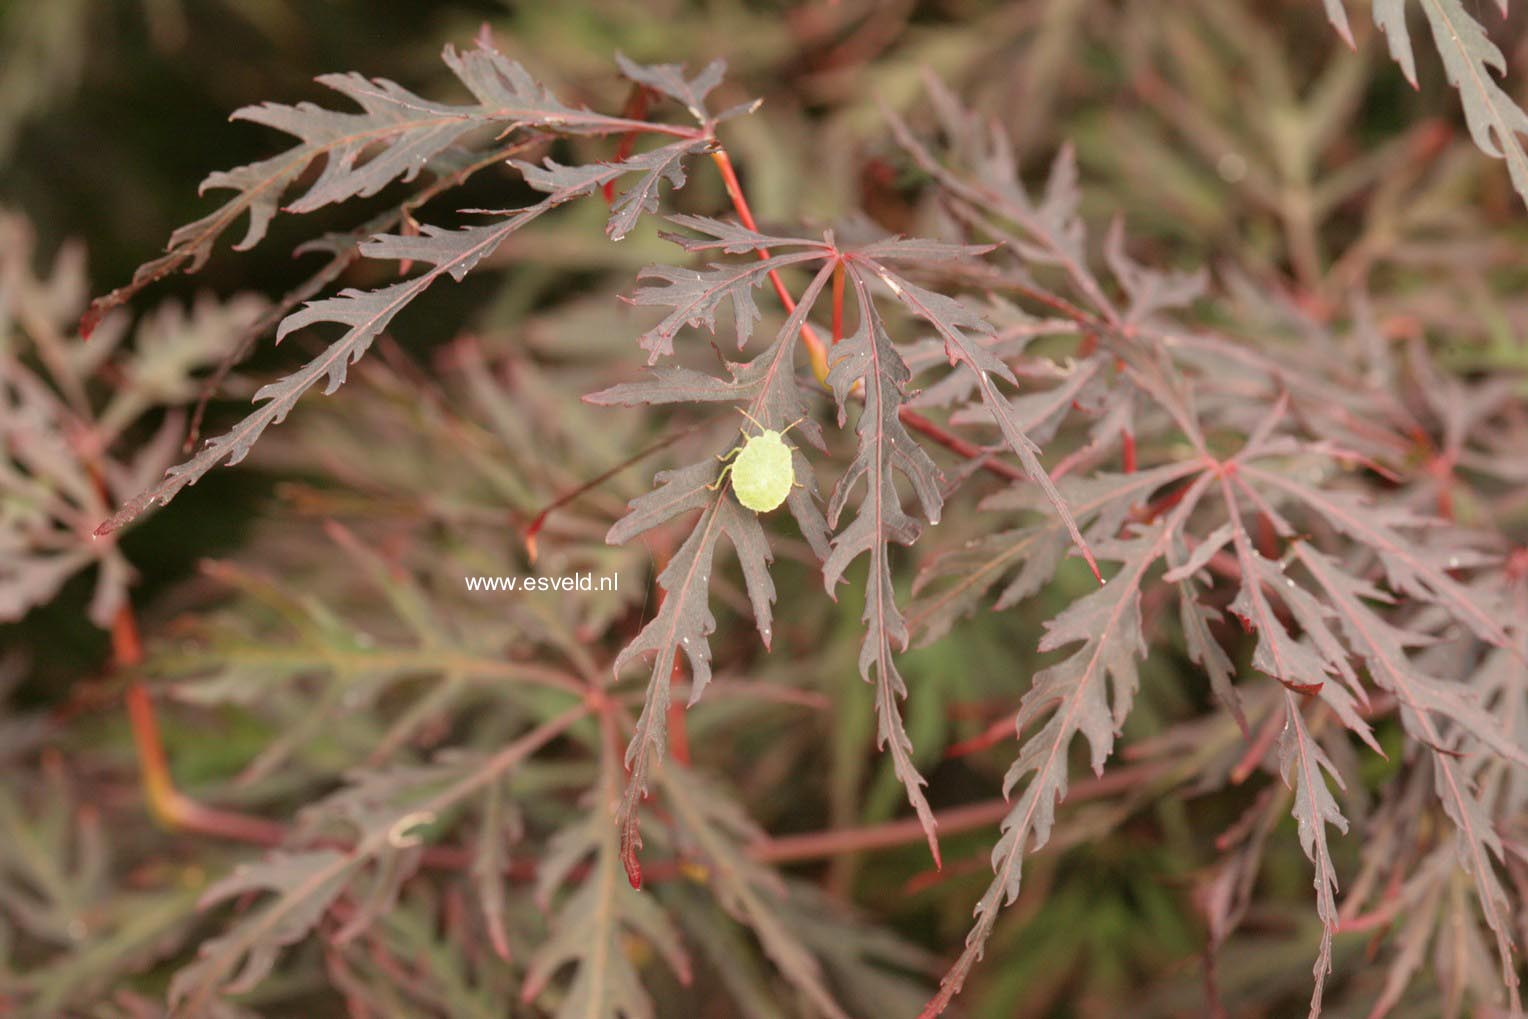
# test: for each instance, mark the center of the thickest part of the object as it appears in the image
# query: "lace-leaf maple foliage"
(866, 365)
(1166, 513)
(1472, 62)
(412, 132)
(1184, 467)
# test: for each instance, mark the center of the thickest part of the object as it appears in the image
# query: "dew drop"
(1231, 167)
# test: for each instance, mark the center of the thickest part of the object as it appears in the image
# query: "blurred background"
(1239, 135)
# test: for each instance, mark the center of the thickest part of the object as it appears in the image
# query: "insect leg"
(720, 478)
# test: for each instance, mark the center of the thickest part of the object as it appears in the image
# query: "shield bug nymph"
(762, 469)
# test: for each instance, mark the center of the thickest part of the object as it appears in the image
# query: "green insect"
(763, 472)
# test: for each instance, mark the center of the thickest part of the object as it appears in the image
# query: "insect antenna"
(755, 420)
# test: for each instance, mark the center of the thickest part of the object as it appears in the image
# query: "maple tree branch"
(889, 835)
(798, 848)
(166, 804)
(816, 351)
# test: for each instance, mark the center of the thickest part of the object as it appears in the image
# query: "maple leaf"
(1415, 568)
(695, 296)
(452, 253)
(1303, 669)
(867, 362)
(1051, 231)
(867, 366)
(1075, 695)
(663, 163)
(305, 883)
(1429, 911)
(670, 80)
(951, 320)
(46, 491)
(1425, 703)
(719, 831)
(1200, 643)
(308, 883)
(590, 928)
(59, 465)
(1469, 58)
(1302, 763)
(683, 622)
(395, 135)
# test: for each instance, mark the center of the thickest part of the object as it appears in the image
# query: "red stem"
(636, 109)
(814, 345)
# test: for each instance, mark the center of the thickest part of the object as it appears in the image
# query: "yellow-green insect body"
(762, 469)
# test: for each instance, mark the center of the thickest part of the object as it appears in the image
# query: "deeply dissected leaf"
(1149, 291)
(1122, 369)
(696, 296)
(305, 883)
(1425, 702)
(1469, 57)
(62, 457)
(1075, 694)
(952, 320)
(1303, 670)
(57, 886)
(1307, 665)
(591, 926)
(368, 313)
(671, 81)
(365, 314)
(1304, 766)
(1029, 556)
(308, 883)
(45, 490)
(1415, 568)
(867, 362)
(718, 829)
(1052, 232)
(1197, 620)
(395, 136)
(866, 365)
(655, 166)
(683, 622)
